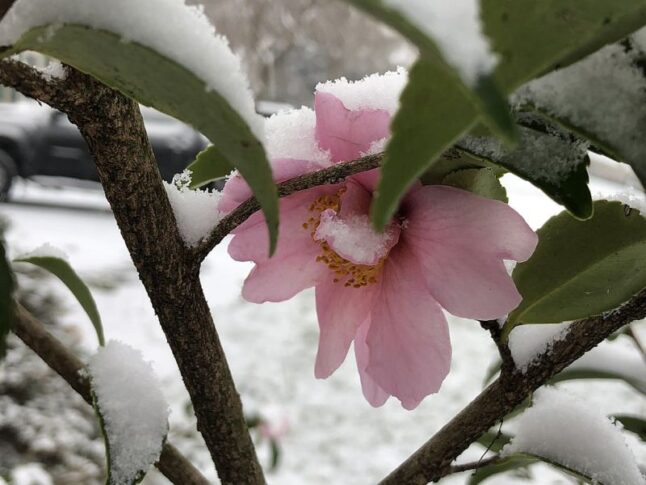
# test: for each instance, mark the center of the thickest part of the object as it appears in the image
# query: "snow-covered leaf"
(156, 80)
(480, 181)
(532, 38)
(601, 98)
(562, 430)
(6, 299)
(54, 262)
(634, 424)
(209, 166)
(132, 411)
(507, 464)
(582, 268)
(548, 158)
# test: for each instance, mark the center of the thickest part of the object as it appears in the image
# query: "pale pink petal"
(408, 338)
(347, 134)
(461, 241)
(236, 190)
(281, 277)
(374, 394)
(340, 311)
(355, 200)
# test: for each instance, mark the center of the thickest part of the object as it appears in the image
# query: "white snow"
(456, 28)
(30, 474)
(567, 431)
(134, 410)
(376, 147)
(604, 94)
(45, 251)
(53, 71)
(528, 342)
(376, 91)
(632, 197)
(196, 211)
(179, 32)
(290, 134)
(354, 237)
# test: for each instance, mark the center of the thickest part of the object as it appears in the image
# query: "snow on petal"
(528, 342)
(345, 133)
(408, 337)
(564, 429)
(290, 134)
(133, 408)
(456, 28)
(179, 32)
(376, 91)
(196, 211)
(462, 240)
(354, 238)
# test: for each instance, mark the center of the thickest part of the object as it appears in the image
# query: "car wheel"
(7, 173)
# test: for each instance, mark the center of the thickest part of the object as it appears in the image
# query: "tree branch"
(171, 463)
(433, 460)
(114, 131)
(493, 327)
(327, 176)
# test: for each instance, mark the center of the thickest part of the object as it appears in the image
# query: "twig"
(474, 465)
(631, 333)
(327, 176)
(433, 460)
(493, 327)
(171, 463)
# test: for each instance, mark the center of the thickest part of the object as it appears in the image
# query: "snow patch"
(196, 211)
(633, 198)
(376, 91)
(134, 410)
(291, 134)
(456, 28)
(354, 238)
(53, 71)
(376, 147)
(45, 251)
(563, 429)
(170, 27)
(528, 342)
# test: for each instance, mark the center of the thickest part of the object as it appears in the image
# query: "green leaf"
(154, 80)
(7, 309)
(582, 268)
(484, 95)
(549, 159)
(634, 424)
(480, 181)
(209, 165)
(581, 371)
(532, 38)
(64, 272)
(511, 463)
(494, 441)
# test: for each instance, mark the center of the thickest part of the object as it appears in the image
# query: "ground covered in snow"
(333, 435)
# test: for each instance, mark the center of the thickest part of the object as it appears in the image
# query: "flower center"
(352, 275)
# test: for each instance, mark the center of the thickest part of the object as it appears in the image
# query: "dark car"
(36, 140)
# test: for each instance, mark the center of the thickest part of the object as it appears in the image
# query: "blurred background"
(325, 430)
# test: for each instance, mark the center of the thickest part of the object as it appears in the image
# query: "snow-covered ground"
(334, 436)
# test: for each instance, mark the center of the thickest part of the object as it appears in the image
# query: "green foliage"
(494, 441)
(508, 464)
(154, 80)
(582, 372)
(209, 165)
(533, 38)
(582, 268)
(7, 308)
(64, 272)
(480, 181)
(634, 424)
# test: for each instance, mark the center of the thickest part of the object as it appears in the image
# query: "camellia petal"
(374, 394)
(408, 337)
(347, 134)
(461, 240)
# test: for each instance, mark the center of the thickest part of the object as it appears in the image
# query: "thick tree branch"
(171, 463)
(433, 460)
(327, 176)
(113, 128)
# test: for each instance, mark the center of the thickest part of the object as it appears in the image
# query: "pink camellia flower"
(384, 291)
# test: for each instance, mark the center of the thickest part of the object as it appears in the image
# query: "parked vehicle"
(36, 140)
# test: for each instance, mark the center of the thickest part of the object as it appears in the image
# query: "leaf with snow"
(7, 285)
(132, 411)
(55, 261)
(562, 430)
(533, 38)
(548, 158)
(601, 98)
(508, 464)
(480, 181)
(164, 54)
(209, 165)
(634, 424)
(582, 268)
